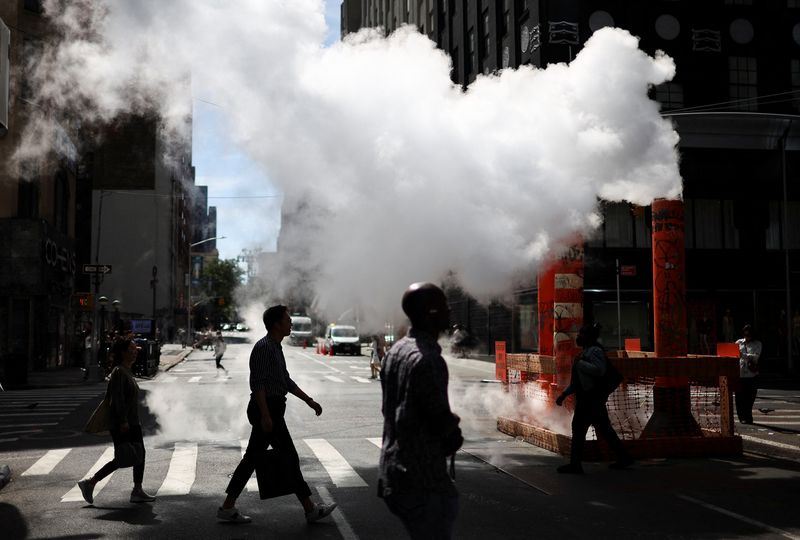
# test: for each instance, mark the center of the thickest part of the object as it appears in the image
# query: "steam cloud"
(405, 176)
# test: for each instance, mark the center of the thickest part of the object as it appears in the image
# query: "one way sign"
(96, 268)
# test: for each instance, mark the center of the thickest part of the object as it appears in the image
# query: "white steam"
(405, 176)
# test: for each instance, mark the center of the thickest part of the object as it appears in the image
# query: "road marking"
(341, 473)
(74, 495)
(377, 441)
(47, 462)
(776, 444)
(252, 484)
(778, 423)
(338, 516)
(333, 378)
(51, 413)
(320, 362)
(194, 379)
(740, 517)
(28, 425)
(365, 368)
(359, 379)
(169, 379)
(181, 473)
(12, 439)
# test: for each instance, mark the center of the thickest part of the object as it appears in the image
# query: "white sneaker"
(141, 496)
(232, 515)
(320, 511)
(87, 487)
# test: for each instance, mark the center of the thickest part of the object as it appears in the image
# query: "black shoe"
(570, 468)
(621, 464)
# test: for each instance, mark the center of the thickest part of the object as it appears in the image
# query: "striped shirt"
(268, 369)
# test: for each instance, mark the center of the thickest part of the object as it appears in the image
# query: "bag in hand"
(273, 475)
(128, 454)
(100, 421)
(453, 440)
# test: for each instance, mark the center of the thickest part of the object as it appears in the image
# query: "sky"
(232, 177)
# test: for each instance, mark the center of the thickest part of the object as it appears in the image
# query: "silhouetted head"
(123, 349)
(747, 332)
(274, 315)
(425, 304)
(588, 335)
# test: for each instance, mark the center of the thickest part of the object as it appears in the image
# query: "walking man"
(219, 350)
(269, 384)
(419, 429)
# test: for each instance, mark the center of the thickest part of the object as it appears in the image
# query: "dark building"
(734, 101)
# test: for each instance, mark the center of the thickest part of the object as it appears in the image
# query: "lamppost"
(189, 288)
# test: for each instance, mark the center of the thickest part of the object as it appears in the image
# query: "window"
(34, 6)
(739, 2)
(743, 82)
(472, 58)
(670, 95)
(455, 65)
(794, 67)
(708, 224)
(729, 230)
(27, 199)
(486, 33)
(506, 17)
(792, 3)
(61, 202)
(773, 230)
(618, 225)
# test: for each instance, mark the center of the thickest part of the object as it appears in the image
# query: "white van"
(301, 331)
(342, 339)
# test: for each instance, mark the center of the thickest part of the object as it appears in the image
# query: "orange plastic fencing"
(633, 344)
(630, 406)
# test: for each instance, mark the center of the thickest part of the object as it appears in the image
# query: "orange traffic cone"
(305, 343)
(330, 351)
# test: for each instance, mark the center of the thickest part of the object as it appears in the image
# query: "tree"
(222, 277)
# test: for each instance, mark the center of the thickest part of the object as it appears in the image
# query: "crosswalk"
(28, 412)
(340, 463)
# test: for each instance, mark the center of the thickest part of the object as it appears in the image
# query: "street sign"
(96, 268)
(627, 270)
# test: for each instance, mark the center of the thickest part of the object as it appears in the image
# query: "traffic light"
(221, 301)
(84, 301)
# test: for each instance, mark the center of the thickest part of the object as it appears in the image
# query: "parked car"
(301, 331)
(226, 326)
(342, 339)
(241, 327)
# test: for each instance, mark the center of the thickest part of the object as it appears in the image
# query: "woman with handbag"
(119, 414)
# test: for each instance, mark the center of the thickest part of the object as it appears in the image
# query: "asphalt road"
(194, 422)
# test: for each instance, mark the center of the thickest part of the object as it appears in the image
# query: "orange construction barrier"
(728, 349)
(633, 344)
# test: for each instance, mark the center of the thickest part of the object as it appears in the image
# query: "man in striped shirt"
(269, 384)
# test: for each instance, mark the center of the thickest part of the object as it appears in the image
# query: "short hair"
(273, 315)
(419, 300)
(119, 348)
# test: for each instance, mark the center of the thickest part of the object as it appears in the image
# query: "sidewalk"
(171, 355)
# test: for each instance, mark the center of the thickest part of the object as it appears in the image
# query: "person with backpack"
(593, 379)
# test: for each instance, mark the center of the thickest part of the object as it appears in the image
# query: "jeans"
(426, 515)
(279, 438)
(134, 435)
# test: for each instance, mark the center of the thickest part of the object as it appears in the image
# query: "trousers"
(590, 410)
(425, 515)
(134, 435)
(279, 438)
(745, 398)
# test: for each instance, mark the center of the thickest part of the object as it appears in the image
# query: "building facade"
(38, 259)
(733, 101)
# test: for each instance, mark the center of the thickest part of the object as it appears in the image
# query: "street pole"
(189, 288)
(619, 314)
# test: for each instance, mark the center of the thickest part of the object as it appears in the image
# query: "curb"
(181, 357)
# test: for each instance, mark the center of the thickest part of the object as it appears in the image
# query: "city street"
(193, 417)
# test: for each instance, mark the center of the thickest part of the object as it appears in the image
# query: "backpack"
(610, 380)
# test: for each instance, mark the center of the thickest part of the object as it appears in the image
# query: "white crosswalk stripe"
(47, 462)
(74, 494)
(359, 379)
(341, 473)
(195, 379)
(181, 474)
(38, 408)
(334, 378)
(321, 463)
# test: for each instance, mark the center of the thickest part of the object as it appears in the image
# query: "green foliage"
(222, 276)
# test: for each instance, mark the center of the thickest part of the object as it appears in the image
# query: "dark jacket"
(124, 394)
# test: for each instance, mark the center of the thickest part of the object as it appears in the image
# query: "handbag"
(128, 454)
(274, 475)
(100, 421)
